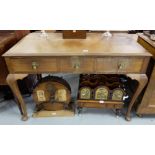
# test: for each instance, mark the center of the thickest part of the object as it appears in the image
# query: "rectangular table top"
(120, 44)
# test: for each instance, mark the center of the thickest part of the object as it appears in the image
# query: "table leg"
(142, 79)
(12, 82)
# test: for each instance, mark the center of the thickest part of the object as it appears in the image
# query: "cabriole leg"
(142, 79)
(12, 82)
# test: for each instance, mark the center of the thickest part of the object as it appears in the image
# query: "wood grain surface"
(120, 44)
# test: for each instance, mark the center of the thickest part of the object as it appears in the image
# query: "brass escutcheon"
(35, 65)
(121, 65)
(75, 62)
(76, 66)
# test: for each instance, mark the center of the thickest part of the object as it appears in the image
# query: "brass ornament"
(122, 65)
(61, 95)
(118, 94)
(85, 93)
(101, 93)
(35, 65)
(41, 95)
(75, 62)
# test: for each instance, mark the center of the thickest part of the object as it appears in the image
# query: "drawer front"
(77, 64)
(119, 64)
(32, 65)
(106, 64)
(130, 65)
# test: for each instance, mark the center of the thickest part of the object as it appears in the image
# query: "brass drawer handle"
(121, 66)
(75, 61)
(76, 66)
(35, 65)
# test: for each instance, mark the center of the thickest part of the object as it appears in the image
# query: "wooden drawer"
(106, 64)
(120, 64)
(32, 65)
(77, 64)
(130, 65)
